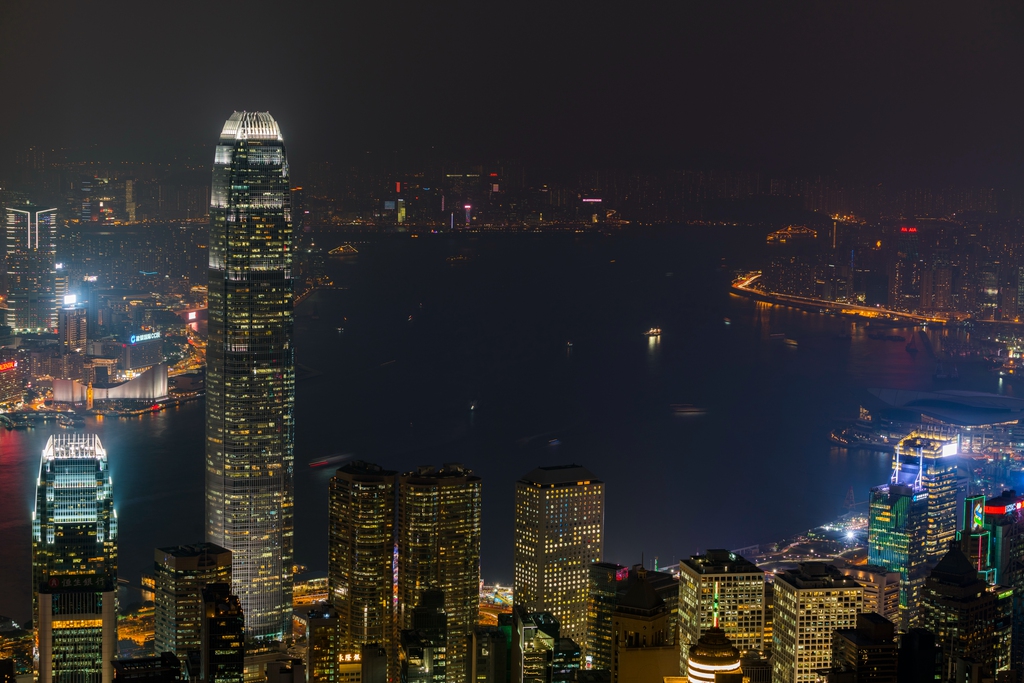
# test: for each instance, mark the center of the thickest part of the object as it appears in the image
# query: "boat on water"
(687, 409)
(777, 335)
(728, 322)
(790, 342)
(653, 332)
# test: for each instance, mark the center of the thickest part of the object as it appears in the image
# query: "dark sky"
(865, 87)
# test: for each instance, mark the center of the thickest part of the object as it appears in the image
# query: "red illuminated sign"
(908, 229)
(1003, 509)
(622, 574)
(9, 365)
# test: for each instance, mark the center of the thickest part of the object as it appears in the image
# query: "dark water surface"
(492, 331)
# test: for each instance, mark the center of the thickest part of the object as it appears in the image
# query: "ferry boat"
(653, 332)
(687, 409)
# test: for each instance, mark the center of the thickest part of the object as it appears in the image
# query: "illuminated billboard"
(8, 365)
(137, 338)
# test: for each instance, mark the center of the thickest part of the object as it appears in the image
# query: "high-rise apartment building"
(867, 651)
(897, 524)
(31, 252)
(644, 646)
(811, 603)
(222, 653)
(439, 548)
(723, 584)
(559, 533)
(180, 574)
(881, 589)
(360, 554)
(74, 562)
(250, 380)
(323, 642)
(72, 326)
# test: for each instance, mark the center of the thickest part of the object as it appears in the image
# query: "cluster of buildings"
(939, 599)
(967, 266)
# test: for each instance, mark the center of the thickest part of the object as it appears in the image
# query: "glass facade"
(897, 522)
(31, 251)
(361, 555)
(250, 384)
(439, 547)
(74, 562)
(181, 573)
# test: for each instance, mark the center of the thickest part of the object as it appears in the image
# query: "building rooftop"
(965, 408)
(815, 575)
(641, 598)
(193, 550)
(560, 474)
(717, 561)
(250, 125)
(955, 568)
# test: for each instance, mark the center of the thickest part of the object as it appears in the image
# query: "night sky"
(928, 89)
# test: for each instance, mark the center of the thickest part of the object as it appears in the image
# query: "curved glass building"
(250, 384)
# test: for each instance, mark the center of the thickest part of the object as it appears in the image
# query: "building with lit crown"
(811, 603)
(250, 376)
(360, 555)
(725, 584)
(930, 465)
(711, 656)
(74, 562)
(559, 529)
(31, 251)
(439, 548)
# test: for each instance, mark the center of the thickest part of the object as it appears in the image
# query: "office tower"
(31, 268)
(1004, 520)
(360, 554)
(897, 525)
(74, 562)
(811, 602)
(488, 655)
(713, 655)
(881, 589)
(608, 583)
(222, 648)
(724, 582)
(72, 326)
(930, 465)
(559, 533)
(323, 645)
(250, 371)
(644, 642)
(162, 668)
(180, 574)
(423, 647)
(868, 651)
(919, 657)
(962, 612)
(374, 668)
(539, 652)
(439, 547)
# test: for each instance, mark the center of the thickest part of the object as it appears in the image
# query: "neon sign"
(978, 520)
(8, 365)
(136, 338)
(995, 509)
(191, 315)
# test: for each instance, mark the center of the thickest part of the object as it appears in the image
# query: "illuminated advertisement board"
(8, 365)
(136, 338)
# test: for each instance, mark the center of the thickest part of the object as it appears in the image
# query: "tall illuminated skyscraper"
(360, 555)
(723, 590)
(930, 465)
(181, 574)
(439, 548)
(559, 534)
(250, 381)
(74, 562)
(31, 249)
(897, 524)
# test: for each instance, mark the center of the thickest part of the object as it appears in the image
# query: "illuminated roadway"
(743, 287)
